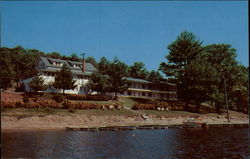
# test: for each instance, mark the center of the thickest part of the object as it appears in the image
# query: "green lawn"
(130, 101)
(100, 112)
(168, 113)
(24, 112)
(96, 102)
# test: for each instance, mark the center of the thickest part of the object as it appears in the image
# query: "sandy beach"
(60, 122)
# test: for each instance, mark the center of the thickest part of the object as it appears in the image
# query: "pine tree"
(154, 76)
(103, 66)
(202, 80)
(138, 70)
(37, 84)
(98, 83)
(116, 73)
(181, 52)
(7, 72)
(64, 79)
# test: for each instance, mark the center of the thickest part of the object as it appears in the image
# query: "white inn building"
(48, 67)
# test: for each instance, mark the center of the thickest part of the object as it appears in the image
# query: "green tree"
(7, 71)
(92, 61)
(155, 76)
(37, 84)
(64, 79)
(202, 80)
(137, 70)
(74, 57)
(103, 65)
(98, 83)
(238, 93)
(181, 52)
(223, 58)
(55, 55)
(116, 73)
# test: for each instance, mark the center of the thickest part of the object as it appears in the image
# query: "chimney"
(83, 62)
(83, 65)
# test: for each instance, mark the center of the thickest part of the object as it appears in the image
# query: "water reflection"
(171, 143)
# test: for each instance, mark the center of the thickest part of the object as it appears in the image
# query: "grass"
(125, 101)
(101, 112)
(168, 113)
(130, 101)
(24, 112)
(96, 102)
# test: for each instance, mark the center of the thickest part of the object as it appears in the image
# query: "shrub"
(18, 104)
(144, 106)
(32, 104)
(76, 97)
(49, 103)
(65, 104)
(25, 99)
(34, 94)
(81, 105)
(89, 97)
(8, 104)
(58, 98)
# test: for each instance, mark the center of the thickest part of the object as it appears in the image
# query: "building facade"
(144, 88)
(48, 67)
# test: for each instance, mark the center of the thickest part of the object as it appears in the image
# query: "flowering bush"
(144, 106)
(8, 104)
(81, 105)
(76, 97)
(88, 97)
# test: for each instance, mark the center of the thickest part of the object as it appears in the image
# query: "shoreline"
(55, 122)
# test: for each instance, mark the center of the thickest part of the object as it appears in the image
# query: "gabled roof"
(74, 72)
(49, 63)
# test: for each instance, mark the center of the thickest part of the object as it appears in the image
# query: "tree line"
(201, 72)
(18, 63)
(206, 73)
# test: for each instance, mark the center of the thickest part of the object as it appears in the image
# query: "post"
(226, 97)
(1, 98)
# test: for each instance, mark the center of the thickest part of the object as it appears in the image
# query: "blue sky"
(132, 31)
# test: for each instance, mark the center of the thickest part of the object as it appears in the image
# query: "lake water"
(217, 143)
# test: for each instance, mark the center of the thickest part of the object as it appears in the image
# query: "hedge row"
(88, 97)
(59, 97)
(53, 104)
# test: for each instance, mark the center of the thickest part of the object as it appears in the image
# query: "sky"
(132, 31)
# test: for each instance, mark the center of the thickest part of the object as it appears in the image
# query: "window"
(143, 94)
(129, 93)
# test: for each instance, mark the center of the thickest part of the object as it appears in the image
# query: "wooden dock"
(147, 127)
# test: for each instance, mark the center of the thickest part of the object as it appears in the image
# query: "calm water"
(214, 143)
